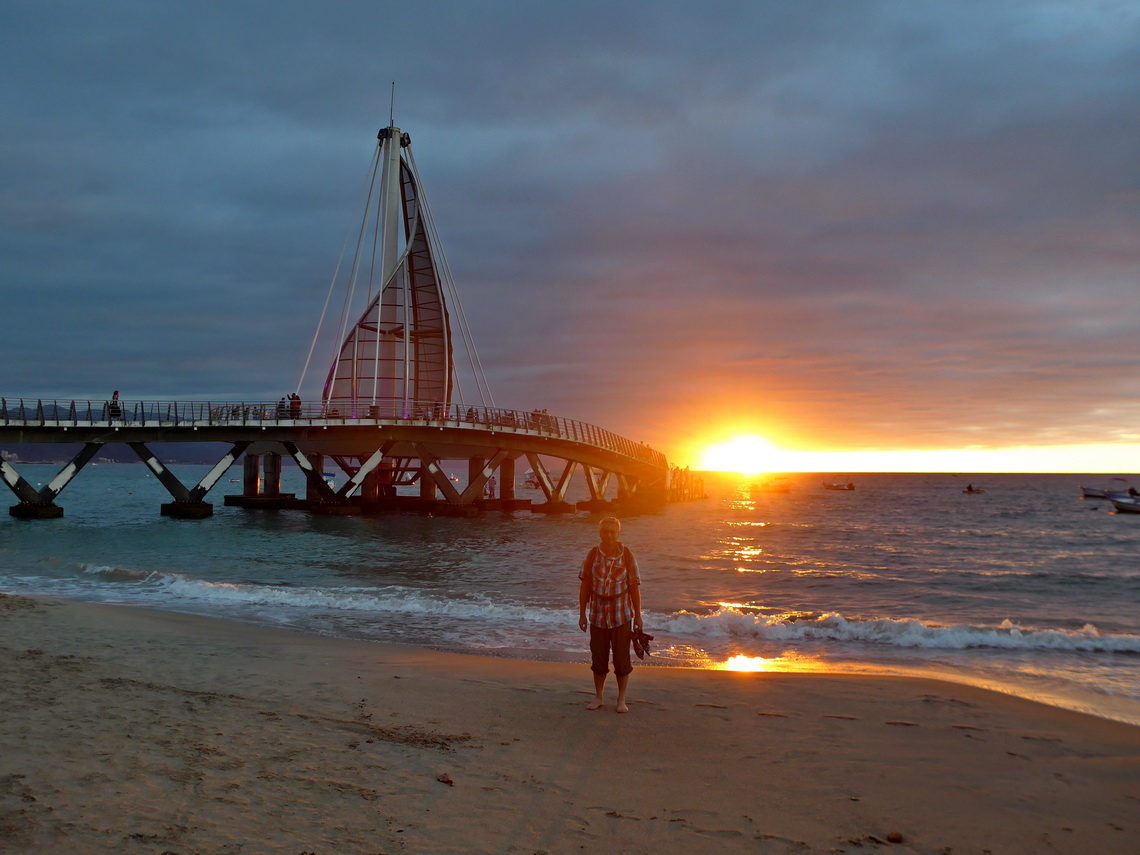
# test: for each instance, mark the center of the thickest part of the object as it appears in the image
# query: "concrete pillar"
(386, 479)
(252, 485)
(36, 511)
(317, 461)
(507, 479)
(370, 489)
(474, 468)
(427, 485)
(271, 484)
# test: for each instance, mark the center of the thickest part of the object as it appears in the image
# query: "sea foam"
(897, 632)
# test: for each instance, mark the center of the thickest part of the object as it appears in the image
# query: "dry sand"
(132, 731)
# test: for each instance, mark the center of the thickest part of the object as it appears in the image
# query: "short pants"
(602, 641)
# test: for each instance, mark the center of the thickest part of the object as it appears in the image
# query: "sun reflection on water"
(784, 663)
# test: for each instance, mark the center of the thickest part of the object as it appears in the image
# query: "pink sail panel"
(397, 358)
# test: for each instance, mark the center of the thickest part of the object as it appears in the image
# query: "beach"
(127, 730)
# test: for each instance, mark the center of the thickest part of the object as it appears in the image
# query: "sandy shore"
(130, 731)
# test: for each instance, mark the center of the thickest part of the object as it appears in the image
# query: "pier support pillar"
(271, 468)
(386, 479)
(475, 469)
(554, 507)
(251, 485)
(317, 461)
(507, 479)
(36, 511)
(427, 485)
(187, 510)
(370, 489)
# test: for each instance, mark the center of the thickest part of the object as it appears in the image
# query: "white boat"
(530, 479)
(1118, 488)
(1129, 505)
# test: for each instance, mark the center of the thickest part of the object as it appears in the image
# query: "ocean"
(1026, 589)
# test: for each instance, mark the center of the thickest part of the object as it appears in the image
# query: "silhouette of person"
(611, 588)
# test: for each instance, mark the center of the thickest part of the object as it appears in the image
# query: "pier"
(389, 414)
(376, 449)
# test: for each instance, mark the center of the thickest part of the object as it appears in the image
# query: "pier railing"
(28, 412)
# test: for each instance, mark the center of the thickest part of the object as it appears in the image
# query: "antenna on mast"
(392, 106)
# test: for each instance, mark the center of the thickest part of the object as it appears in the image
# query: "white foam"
(898, 632)
(390, 600)
(726, 623)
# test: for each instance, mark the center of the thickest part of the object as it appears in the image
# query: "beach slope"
(133, 731)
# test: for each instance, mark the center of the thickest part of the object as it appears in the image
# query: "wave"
(897, 632)
(725, 623)
(390, 599)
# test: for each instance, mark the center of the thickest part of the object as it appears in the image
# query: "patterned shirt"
(610, 580)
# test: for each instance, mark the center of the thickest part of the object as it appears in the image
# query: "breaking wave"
(897, 632)
(725, 623)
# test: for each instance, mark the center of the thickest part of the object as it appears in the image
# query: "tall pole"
(391, 217)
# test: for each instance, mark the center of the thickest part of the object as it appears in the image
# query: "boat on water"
(770, 485)
(970, 488)
(530, 480)
(1129, 505)
(1117, 488)
(1120, 488)
(839, 484)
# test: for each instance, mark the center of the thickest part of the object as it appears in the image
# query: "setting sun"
(748, 455)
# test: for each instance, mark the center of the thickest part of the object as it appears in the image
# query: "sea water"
(1026, 588)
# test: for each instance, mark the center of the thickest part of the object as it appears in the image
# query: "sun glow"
(747, 663)
(786, 663)
(751, 454)
(748, 455)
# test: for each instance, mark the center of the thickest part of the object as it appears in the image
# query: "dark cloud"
(863, 225)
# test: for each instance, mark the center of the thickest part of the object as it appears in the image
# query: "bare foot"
(622, 707)
(596, 704)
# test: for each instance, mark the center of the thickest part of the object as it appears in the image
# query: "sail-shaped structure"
(396, 359)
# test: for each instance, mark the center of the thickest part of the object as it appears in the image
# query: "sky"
(875, 234)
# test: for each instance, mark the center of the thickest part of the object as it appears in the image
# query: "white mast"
(391, 216)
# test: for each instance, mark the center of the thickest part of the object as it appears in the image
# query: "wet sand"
(133, 731)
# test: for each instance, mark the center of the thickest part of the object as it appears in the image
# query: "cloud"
(857, 225)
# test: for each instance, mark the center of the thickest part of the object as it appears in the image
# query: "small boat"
(1119, 488)
(530, 480)
(1126, 506)
(839, 485)
(770, 485)
(970, 488)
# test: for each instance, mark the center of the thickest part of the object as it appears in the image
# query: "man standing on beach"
(611, 586)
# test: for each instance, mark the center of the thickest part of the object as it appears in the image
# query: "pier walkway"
(378, 448)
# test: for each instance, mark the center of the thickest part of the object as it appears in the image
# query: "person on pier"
(611, 588)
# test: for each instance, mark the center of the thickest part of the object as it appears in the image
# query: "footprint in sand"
(717, 832)
(613, 814)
